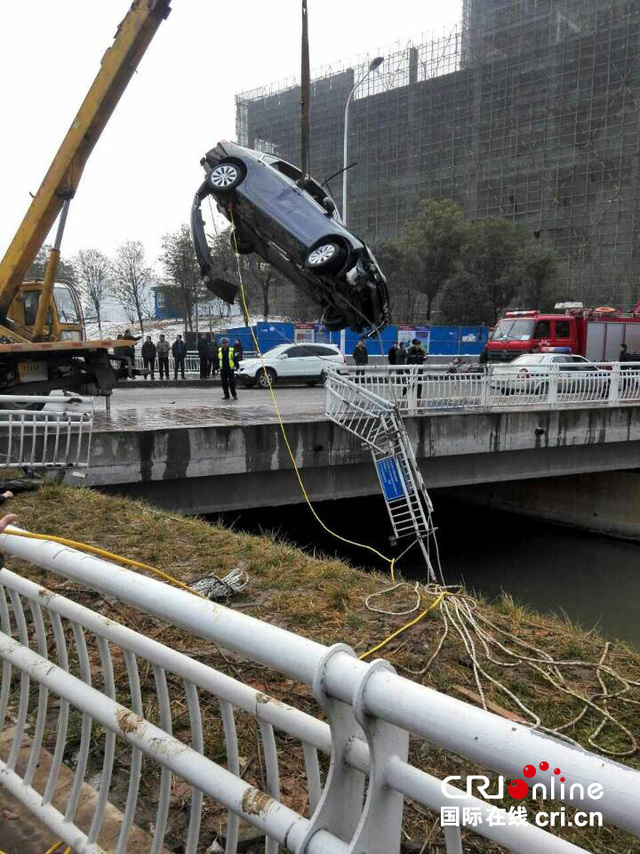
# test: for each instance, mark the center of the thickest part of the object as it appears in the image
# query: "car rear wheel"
(226, 176)
(328, 256)
(543, 388)
(266, 377)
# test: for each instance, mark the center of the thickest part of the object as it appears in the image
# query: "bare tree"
(94, 277)
(183, 273)
(264, 278)
(131, 277)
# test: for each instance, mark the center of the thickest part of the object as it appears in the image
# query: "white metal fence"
(191, 363)
(57, 437)
(58, 667)
(416, 388)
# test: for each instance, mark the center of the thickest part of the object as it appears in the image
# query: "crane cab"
(64, 321)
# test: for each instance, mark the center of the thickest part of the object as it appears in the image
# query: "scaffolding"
(529, 110)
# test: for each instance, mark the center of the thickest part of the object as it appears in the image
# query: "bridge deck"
(135, 409)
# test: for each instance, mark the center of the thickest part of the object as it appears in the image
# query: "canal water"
(595, 580)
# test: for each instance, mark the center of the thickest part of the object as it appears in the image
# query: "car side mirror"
(284, 356)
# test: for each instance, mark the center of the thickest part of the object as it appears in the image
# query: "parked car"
(291, 222)
(529, 374)
(292, 363)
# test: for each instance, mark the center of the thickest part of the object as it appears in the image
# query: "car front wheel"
(328, 256)
(266, 377)
(248, 382)
(226, 176)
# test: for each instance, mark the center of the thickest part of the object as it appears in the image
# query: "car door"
(296, 365)
(323, 357)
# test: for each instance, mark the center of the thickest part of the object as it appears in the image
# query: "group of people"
(400, 354)
(213, 357)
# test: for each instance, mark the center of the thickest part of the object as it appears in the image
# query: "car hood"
(250, 363)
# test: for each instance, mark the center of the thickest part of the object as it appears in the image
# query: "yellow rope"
(84, 547)
(390, 560)
(402, 629)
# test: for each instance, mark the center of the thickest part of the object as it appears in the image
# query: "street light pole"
(375, 63)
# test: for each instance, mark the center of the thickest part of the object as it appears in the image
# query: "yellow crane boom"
(119, 63)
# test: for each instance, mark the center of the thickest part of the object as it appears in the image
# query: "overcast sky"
(141, 177)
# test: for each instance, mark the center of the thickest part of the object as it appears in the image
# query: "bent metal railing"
(53, 648)
(53, 438)
(416, 389)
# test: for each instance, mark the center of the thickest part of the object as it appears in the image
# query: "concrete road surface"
(141, 408)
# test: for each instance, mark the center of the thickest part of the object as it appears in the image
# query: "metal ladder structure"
(379, 426)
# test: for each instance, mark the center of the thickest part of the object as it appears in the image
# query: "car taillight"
(344, 359)
(524, 373)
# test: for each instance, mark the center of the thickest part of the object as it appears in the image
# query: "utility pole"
(305, 93)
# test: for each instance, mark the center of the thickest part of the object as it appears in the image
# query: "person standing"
(212, 352)
(416, 355)
(203, 357)
(401, 355)
(179, 351)
(238, 351)
(149, 352)
(392, 355)
(131, 350)
(360, 357)
(227, 366)
(162, 350)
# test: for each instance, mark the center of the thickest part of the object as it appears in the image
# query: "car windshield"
(65, 305)
(275, 351)
(510, 329)
(530, 360)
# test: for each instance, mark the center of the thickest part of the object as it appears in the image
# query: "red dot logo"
(529, 771)
(544, 766)
(556, 771)
(518, 789)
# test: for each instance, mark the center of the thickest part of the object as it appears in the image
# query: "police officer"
(227, 366)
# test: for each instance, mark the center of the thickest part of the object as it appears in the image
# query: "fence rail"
(416, 389)
(53, 438)
(71, 654)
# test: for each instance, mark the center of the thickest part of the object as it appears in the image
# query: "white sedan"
(530, 374)
(291, 363)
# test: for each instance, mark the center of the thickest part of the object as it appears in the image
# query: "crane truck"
(42, 346)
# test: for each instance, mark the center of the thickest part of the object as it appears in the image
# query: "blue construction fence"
(437, 340)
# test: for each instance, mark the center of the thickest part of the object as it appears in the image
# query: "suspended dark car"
(291, 222)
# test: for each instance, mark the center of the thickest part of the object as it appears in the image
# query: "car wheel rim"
(224, 175)
(322, 254)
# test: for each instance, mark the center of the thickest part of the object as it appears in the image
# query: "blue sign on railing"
(391, 479)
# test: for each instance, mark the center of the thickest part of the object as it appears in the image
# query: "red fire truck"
(596, 333)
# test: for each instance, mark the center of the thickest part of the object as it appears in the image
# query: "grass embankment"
(325, 600)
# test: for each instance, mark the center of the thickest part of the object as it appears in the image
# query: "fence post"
(341, 801)
(552, 393)
(614, 385)
(485, 389)
(380, 828)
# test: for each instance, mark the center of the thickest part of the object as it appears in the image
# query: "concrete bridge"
(185, 450)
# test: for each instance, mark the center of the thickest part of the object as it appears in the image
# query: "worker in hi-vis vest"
(227, 365)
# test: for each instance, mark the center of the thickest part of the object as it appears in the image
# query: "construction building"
(530, 110)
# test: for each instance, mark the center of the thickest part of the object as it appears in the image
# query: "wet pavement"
(135, 409)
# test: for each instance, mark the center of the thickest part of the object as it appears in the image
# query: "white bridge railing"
(52, 438)
(60, 695)
(416, 389)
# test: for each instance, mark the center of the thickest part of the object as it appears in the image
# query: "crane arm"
(118, 65)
